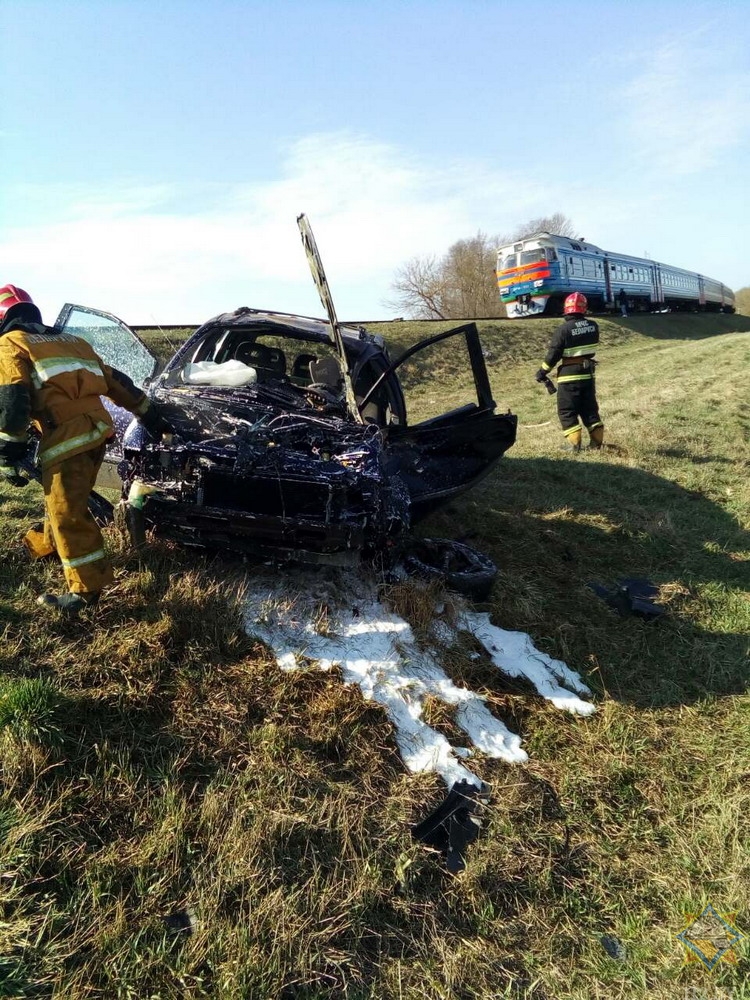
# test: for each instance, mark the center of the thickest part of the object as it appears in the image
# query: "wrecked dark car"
(291, 435)
(270, 454)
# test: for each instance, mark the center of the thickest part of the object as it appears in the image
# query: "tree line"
(462, 283)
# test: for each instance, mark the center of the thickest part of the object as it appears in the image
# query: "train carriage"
(534, 275)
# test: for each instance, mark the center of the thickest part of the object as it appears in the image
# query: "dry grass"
(155, 760)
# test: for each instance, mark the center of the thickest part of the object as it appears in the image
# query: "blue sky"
(155, 155)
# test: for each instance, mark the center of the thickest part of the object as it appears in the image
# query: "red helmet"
(15, 302)
(576, 303)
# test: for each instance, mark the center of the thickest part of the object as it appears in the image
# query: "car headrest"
(260, 356)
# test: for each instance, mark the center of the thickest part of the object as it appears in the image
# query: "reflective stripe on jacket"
(56, 381)
(576, 338)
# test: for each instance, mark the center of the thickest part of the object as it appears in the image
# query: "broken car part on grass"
(293, 436)
(631, 596)
(454, 825)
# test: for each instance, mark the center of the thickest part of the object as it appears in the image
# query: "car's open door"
(118, 346)
(113, 340)
(453, 434)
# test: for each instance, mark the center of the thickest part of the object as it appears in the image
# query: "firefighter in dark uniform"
(573, 346)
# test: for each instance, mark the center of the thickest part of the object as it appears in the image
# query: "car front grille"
(272, 497)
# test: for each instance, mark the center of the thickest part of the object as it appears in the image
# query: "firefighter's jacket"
(573, 345)
(56, 381)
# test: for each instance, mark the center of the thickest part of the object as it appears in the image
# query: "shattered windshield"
(113, 342)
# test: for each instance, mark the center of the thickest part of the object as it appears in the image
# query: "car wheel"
(460, 567)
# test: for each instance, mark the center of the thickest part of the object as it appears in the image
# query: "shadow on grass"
(682, 326)
(555, 527)
(689, 456)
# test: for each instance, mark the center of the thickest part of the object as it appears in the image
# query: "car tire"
(460, 567)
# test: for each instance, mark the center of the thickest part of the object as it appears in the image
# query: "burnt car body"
(267, 455)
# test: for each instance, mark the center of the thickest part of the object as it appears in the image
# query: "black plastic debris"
(460, 567)
(181, 922)
(455, 824)
(614, 948)
(631, 596)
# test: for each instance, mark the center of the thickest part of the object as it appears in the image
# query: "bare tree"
(418, 289)
(460, 284)
(463, 282)
(558, 224)
(469, 282)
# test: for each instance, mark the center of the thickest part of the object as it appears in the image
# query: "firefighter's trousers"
(577, 400)
(69, 527)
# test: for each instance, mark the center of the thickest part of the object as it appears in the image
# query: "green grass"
(154, 759)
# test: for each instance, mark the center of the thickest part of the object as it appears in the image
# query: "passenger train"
(534, 276)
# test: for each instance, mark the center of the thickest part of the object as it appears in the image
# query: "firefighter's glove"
(541, 375)
(155, 423)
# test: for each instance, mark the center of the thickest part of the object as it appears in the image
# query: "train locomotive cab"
(527, 271)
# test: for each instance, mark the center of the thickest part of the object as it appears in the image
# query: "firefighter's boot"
(573, 439)
(596, 437)
(68, 604)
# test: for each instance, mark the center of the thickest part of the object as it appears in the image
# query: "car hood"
(262, 423)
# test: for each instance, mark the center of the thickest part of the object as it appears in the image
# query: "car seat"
(326, 371)
(259, 356)
(301, 365)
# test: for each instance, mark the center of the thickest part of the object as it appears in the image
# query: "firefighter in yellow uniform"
(54, 381)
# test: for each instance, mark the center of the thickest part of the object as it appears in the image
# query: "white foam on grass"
(516, 655)
(338, 620)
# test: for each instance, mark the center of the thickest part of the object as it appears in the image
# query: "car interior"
(269, 359)
(270, 362)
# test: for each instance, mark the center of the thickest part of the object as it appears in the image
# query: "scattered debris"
(631, 596)
(181, 922)
(455, 824)
(614, 948)
(462, 568)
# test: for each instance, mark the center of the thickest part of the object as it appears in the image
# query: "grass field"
(155, 760)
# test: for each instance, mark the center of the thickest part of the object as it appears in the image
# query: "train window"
(551, 255)
(531, 256)
(612, 267)
(509, 262)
